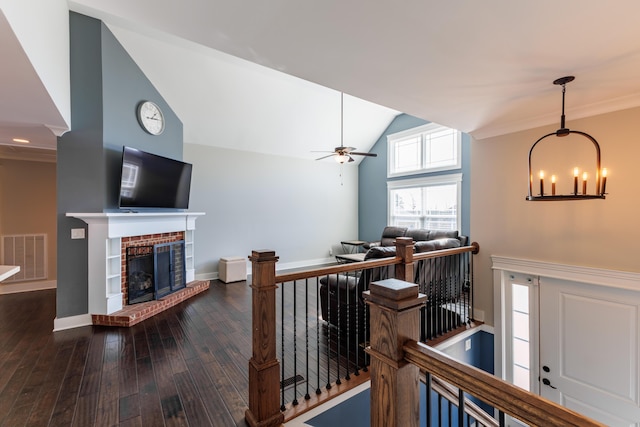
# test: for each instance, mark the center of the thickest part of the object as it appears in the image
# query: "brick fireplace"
(109, 235)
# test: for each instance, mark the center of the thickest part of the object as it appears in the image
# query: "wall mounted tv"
(151, 181)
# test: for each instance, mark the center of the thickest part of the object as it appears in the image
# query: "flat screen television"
(151, 181)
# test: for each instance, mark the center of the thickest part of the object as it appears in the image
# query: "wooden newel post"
(395, 318)
(264, 368)
(404, 250)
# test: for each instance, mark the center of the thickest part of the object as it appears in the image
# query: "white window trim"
(394, 138)
(453, 178)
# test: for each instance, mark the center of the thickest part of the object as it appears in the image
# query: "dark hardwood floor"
(184, 367)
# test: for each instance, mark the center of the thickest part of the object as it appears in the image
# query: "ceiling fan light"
(341, 158)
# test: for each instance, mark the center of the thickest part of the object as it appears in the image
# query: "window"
(520, 305)
(520, 340)
(431, 202)
(427, 148)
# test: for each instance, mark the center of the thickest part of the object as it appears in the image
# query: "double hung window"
(432, 201)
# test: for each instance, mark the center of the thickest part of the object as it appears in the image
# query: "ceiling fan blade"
(324, 157)
(345, 149)
(350, 158)
(364, 154)
(323, 151)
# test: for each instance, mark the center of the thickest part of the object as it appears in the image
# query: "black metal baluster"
(460, 408)
(307, 396)
(282, 406)
(469, 275)
(457, 289)
(366, 325)
(453, 296)
(436, 298)
(428, 407)
(295, 344)
(446, 286)
(318, 391)
(338, 341)
(441, 293)
(466, 286)
(431, 301)
(356, 372)
(328, 386)
(348, 322)
(459, 307)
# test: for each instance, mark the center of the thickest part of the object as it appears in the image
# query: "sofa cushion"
(437, 244)
(380, 252)
(419, 234)
(439, 234)
(342, 281)
(390, 233)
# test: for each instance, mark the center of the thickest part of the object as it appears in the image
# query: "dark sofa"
(341, 295)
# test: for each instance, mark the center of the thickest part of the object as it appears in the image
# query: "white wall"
(42, 27)
(254, 201)
(594, 233)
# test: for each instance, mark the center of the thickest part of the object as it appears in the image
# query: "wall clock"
(150, 117)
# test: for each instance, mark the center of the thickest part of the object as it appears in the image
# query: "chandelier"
(579, 191)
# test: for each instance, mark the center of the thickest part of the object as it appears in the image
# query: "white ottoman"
(232, 269)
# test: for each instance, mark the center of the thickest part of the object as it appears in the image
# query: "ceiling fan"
(343, 154)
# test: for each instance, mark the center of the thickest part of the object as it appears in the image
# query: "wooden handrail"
(510, 399)
(334, 269)
(474, 248)
(371, 263)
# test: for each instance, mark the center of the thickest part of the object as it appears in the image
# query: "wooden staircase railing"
(398, 358)
(264, 366)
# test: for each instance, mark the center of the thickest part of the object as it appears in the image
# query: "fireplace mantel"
(106, 229)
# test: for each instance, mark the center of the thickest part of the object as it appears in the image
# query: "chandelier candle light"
(600, 174)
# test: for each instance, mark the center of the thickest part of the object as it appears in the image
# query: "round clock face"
(150, 117)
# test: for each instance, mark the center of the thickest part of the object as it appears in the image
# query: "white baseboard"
(207, 276)
(63, 323)
(13, 288)
(464, 335)
(279, 267)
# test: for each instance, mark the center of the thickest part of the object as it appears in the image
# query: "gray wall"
(299, 208)
(372, 196)
(106, 86)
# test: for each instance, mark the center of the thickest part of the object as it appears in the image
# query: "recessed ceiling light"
(25, 141)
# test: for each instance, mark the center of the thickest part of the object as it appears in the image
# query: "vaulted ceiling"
(485, 68)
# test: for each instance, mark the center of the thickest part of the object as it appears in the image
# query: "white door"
(589, 350)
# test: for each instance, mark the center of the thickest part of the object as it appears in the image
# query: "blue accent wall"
(106, 86)
(372, 182)
(480, 355)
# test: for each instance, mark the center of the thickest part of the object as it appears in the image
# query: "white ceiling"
(485, 68)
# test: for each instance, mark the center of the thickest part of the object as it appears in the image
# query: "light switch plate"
(77, 233)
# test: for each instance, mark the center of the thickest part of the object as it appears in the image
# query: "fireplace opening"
(155, 271)
(140, 278)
